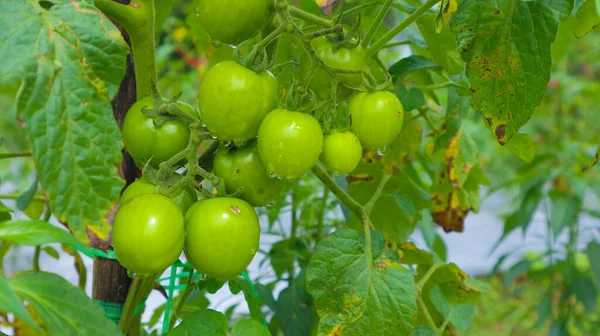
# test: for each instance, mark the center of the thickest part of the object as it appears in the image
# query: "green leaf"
(424, 330)
(397, 210)
(70, 59)
(459, 314)
(266, 296)
(5, 212)
(201, 323)
(411, 99)
(63, 308)
(522, 146)
(410, 64)
(586, 292)
(26, 197)
(441, 45)
(411, 255)
(10, 303)
(593, 253)
(565, 208)
(506, 46)
(240, 284)
(248, 327)
(355, 295)
(34, 232)
(544, 311)
(586, 19)
(294, 309)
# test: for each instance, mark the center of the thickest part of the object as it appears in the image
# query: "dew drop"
(270, 204)
(241, 143)
(252, 251)
(226, 143)
(381, 151)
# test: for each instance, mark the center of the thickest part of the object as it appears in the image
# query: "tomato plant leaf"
(294, 308)
(5, 212)
(202, 322)
(63, 308)
(441, 45)
(585, 291)
(354, 296)
(247, 327)
(411, 99)
(33, 232)
(240, 284)
(424, 330)
(565, 210)
(459, 314)
(25, 198)
(586, 19)
(506, 47)
(593, 253)
(522, 146)
(398, 208)
(410, 64)
(10, 303)
(71, 60)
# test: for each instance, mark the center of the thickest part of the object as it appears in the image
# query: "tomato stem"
(16, 196)
(426, 313)
(322, 213)
(377, 22)
(294, 215)
(14, 155)
(140, 287)
(390, 35)
(306, 16)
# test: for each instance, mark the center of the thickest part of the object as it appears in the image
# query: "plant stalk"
(306, 16)
(14, 155)
(377, 22)
(377, 45)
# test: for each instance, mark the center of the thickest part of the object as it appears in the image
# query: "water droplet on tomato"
(226, 143)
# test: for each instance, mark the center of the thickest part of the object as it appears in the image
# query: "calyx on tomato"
(234, 100)
(145, 140)
(341, 152)
(148, 234)
(222, 236)
(233, 21)
(243, 169)
(376, 118)
(185, 196)
(289, 143)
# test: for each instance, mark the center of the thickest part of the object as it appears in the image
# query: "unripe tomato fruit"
(186, 196)
(376, 118)
(233, 21)
(339, 58)
(234, 100)
(145, 140)
(341, 152)
(242, 168)
(289, 143)
(222, 236)
(148, 234)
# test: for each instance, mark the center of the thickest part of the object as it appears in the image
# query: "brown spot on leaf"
(500, 131)
(237, 170)
(359, 178)
(261, 191)
(496, 12)
(472, 90)
(381, 264)
(489, 120)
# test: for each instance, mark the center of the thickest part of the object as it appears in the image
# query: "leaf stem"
(36, 258)
(15, 196)
(322, 214)
(115, 11)
(440, 86)
(306, 16)
(398, 43)
(14, 155)
(294, 215)
(183, 299)
(427, 313)
(428, 275)
(377, 22)
(384, 180)
(377, 45)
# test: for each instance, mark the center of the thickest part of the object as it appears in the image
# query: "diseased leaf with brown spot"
(506, 47)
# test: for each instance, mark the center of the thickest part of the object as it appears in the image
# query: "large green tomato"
(234, 100)
(148, 234)
(186, 196)
(145, 140)
(222, 236)
(341, 152)
(242, 168)
(340, 58)
(233, 21)
(289, 143)
(376, 118)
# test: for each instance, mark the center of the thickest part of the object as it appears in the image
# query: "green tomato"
(339, 58)
(376, 118)
(242, 169)
(35, 209)
(341, 152)
(145, 140)
(234, 100)
(582, 262)
(222, 236)
(186, 196)
(148, 234)
(289, 143)
(233, 21)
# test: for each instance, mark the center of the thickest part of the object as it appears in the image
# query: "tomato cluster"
(267, 134)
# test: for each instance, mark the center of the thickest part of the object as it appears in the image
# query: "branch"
(306, 16)
(14, 155)
(377, 22)
(375, 47)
